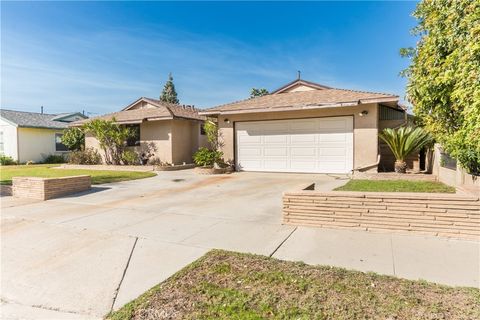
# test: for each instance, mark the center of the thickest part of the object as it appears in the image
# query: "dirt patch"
(226, 285)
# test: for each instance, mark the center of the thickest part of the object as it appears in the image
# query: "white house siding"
(35, 144)
(9, 133)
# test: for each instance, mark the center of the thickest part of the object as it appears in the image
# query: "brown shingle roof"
(161, 111)
(302, 99)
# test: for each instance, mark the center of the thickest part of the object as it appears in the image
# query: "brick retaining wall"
(48, 188)
(448, 215)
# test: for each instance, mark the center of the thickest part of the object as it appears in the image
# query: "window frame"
(60, 143)
(137, 137)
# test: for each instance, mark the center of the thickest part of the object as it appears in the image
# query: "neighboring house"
(26, 136)
(169, 132)
(307, 127)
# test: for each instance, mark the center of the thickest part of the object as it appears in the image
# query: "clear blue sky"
(100, 56)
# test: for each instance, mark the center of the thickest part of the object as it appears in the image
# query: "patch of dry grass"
(227, 285)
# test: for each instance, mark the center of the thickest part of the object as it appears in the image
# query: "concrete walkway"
(80, 257)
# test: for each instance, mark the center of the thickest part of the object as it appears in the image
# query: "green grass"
(395, 186)
(47, 171)
(227, 285)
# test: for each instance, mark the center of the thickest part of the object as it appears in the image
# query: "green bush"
(6, 160)
(74, 138)
(130, 157)
(206, 157)
(87, 156)
(54, 158)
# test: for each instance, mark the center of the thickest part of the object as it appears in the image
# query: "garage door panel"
(275, 139)
(250, 152)
(303, 166)
(245, 138)
(275, 151)
(334, 151)
(303, 138)
(275, 164)
(298, 151)
(323, 145)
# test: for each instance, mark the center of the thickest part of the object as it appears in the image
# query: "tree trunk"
(400, 166)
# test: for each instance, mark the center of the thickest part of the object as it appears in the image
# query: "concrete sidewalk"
(79, 257)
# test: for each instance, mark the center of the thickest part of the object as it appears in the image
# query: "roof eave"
(301, 107)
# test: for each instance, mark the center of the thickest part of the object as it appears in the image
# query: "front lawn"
(47, 171)
(227, 285)
(395, 186)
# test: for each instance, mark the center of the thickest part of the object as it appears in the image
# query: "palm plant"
(404, 141)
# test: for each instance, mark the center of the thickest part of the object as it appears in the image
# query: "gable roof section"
(299, 82)
(161, 111)
(313, 99)
(36, 120)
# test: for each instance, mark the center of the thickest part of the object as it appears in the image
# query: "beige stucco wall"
(365, 129)
(9, 139)
(156, 137)
(36, 144)
(172, 141)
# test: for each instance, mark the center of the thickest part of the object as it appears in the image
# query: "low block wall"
(49, 188)
(448, 215)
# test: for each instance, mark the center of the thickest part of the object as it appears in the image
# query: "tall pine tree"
(169, 94)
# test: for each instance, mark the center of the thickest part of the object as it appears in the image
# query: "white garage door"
(323, 145)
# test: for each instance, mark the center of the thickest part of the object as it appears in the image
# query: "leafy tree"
(169, 94)
(444, 76)
(213, 134)
(258, 92)
(403, 142)
(111, 138)
(74, 138)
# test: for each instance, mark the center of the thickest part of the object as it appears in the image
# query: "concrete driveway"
(79, 257)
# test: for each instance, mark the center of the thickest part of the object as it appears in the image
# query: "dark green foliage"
(6, 160)
(206, 157)
(74, 138)
(169, 94)
(130, 157)
(111, 137)
(444, 76)
(258, 92)
(54, 158)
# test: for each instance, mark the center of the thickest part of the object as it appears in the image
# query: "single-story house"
(169, 132)
(26, 136)
(307, 127)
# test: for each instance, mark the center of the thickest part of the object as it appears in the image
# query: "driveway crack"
(124, 273)
(393, 256)
(281, 243)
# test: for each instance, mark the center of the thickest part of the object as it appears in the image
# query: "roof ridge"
(46, 114)
(363, 91)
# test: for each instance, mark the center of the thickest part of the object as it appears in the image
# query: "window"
(202, 129)
(135, 139)
(59, 146)
(1, 142)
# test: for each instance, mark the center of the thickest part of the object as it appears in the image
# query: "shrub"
(74, 138)
(111, 138)
(87, 156)
(403, 142)
(130, 157)
(206, 157)
(6, 160)
(54, 158)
